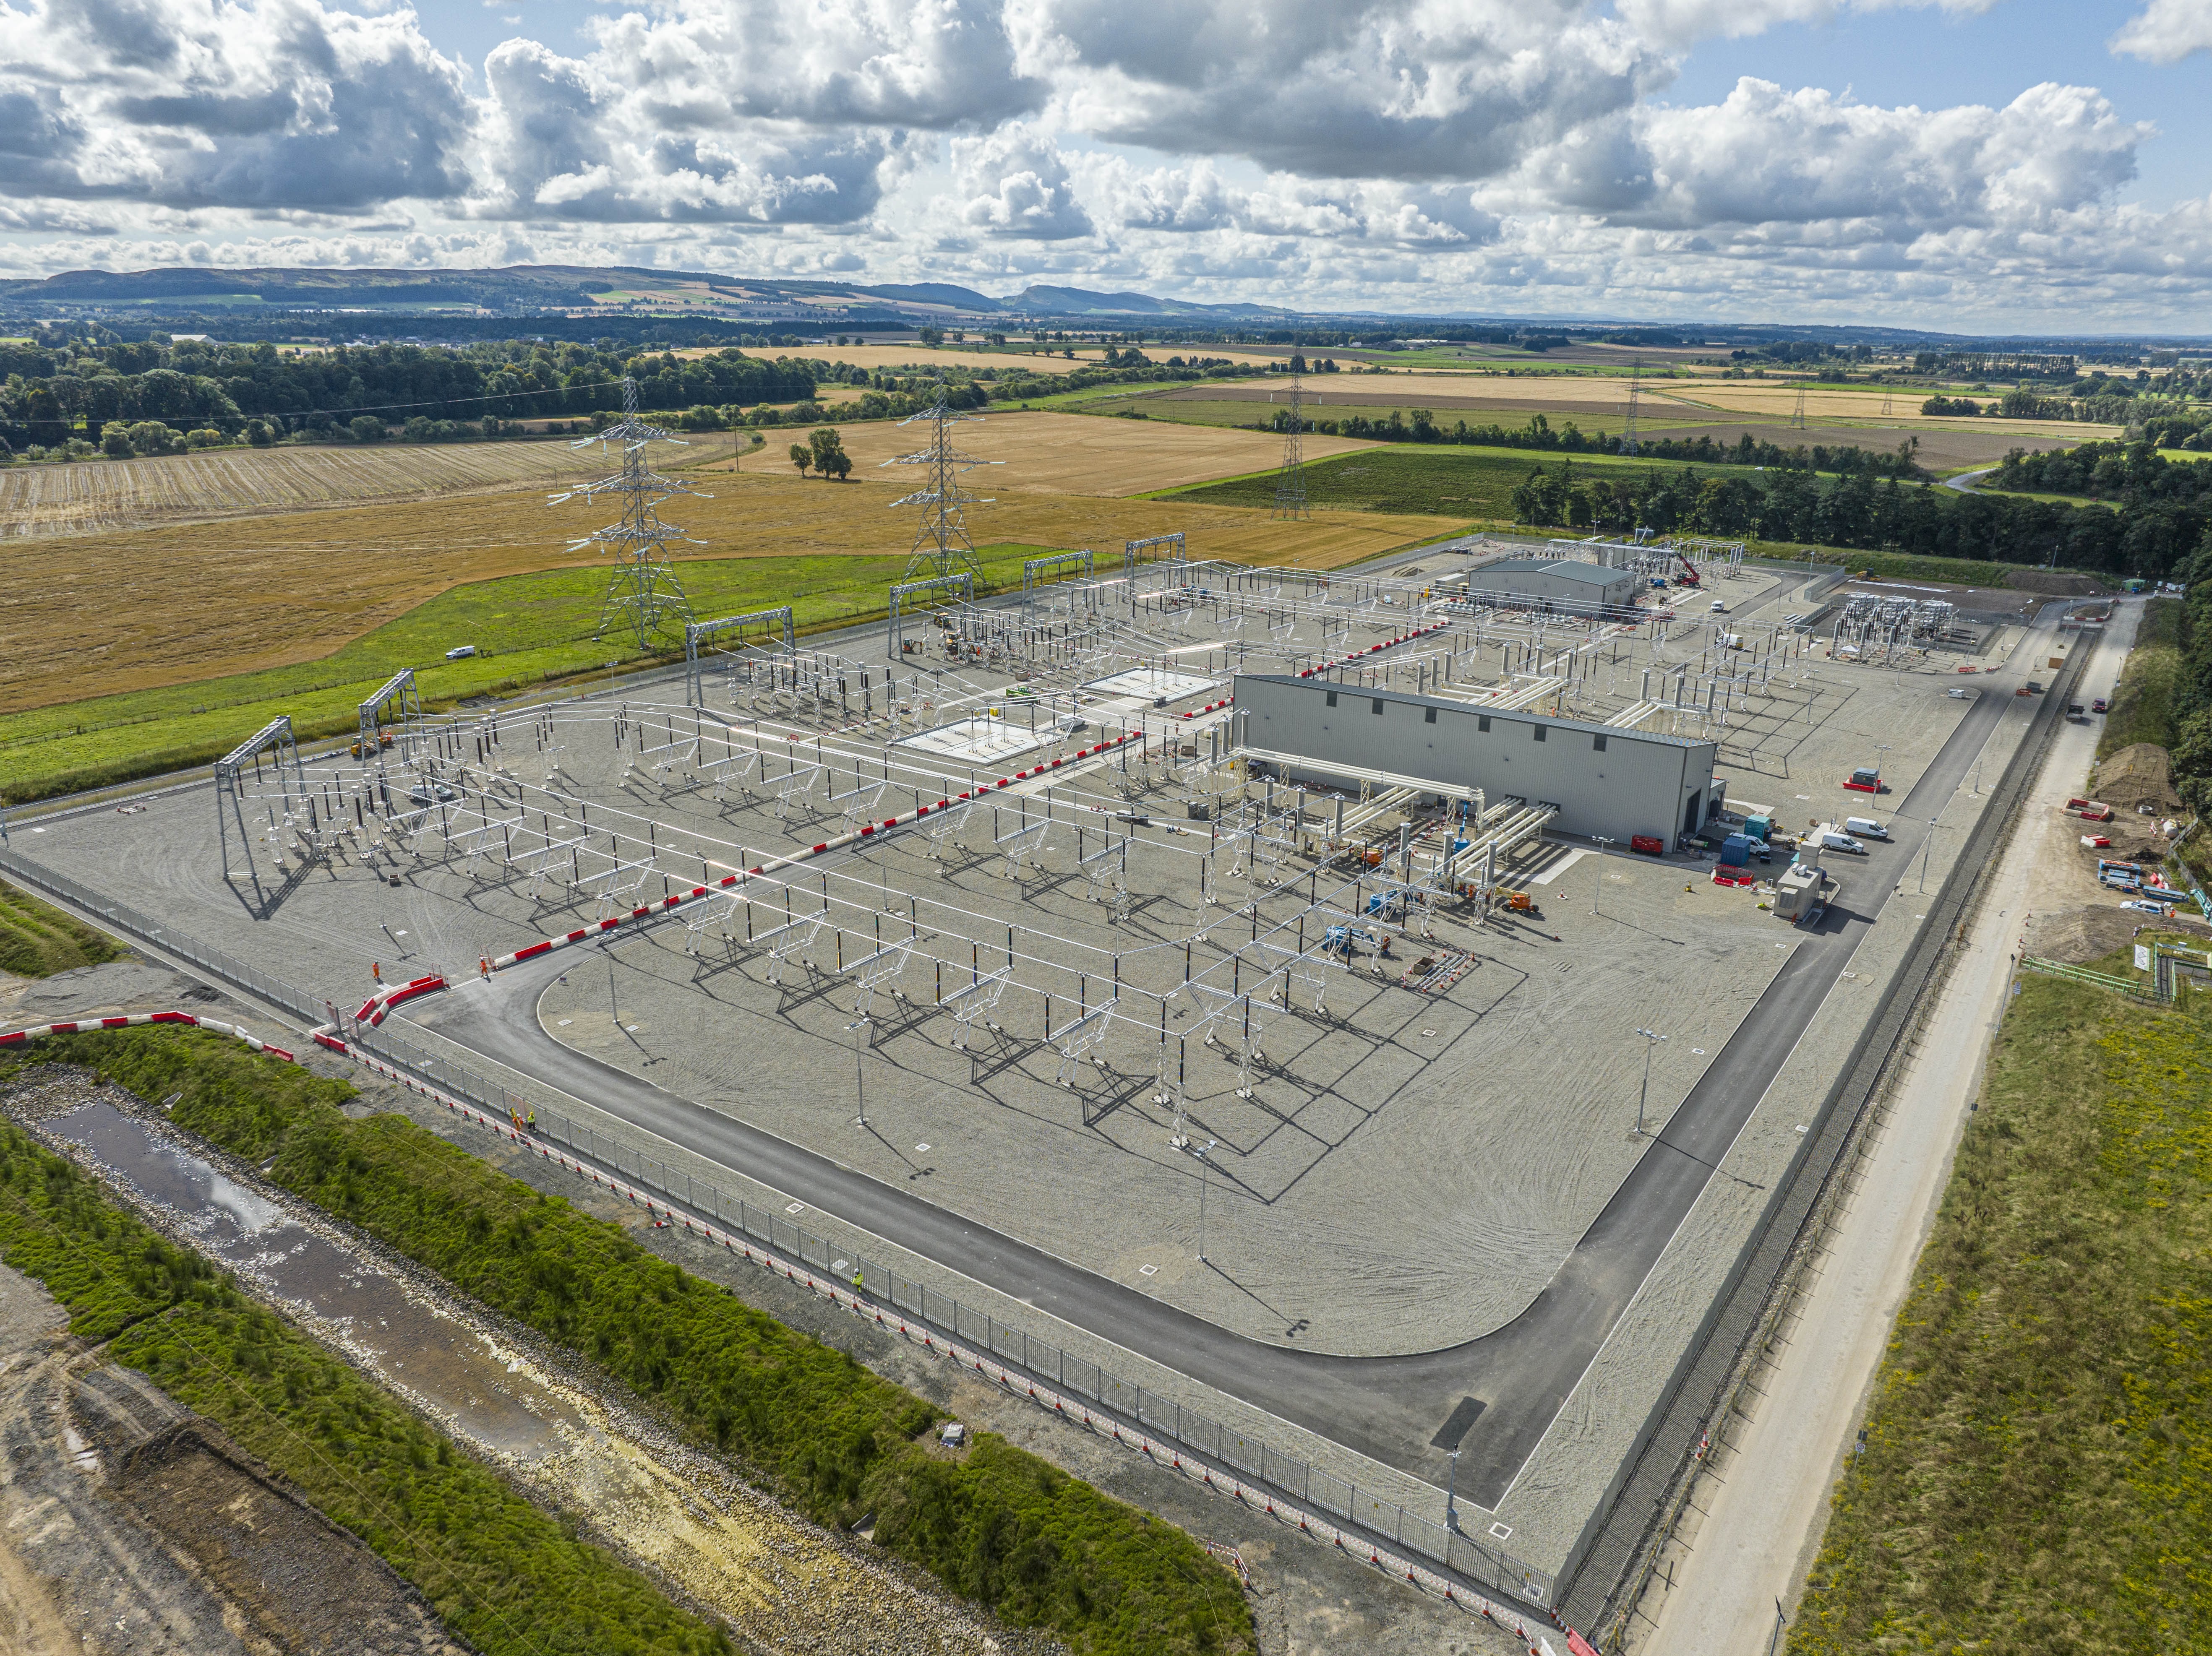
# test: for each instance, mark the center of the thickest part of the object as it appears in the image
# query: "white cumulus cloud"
(2166, 31)
(1681, 22)
(1411, 89)
(199, 103)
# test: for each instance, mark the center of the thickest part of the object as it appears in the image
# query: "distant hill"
(1081, 301)
(575, 301)
(613, 290)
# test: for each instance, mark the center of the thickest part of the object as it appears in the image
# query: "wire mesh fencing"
(1478, 1561)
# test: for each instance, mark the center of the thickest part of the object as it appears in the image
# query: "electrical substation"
(1162, 881)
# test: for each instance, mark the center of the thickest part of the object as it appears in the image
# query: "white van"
(1829, 839)
(1866, 828)
(1720, 606)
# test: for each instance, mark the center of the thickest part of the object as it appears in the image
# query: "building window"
(1597, 743)
(1482, 723)
(1332, 698)
(1375, 706)
(1540, 732)
(1429, 715)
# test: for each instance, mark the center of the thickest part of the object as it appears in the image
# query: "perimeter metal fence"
(1481, 1565)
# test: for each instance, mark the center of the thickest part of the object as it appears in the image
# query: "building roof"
(1589, 575)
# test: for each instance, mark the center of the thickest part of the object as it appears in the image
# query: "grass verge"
(2037, 1475)
(2143, 703)
(37, 941)
(503, 1575)
(1003, 1527)
(529, 630)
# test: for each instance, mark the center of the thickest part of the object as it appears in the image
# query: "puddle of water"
(451, 1368)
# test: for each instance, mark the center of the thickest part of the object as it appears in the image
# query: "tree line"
(1570, 438)
(2148, 535)
(52, 397)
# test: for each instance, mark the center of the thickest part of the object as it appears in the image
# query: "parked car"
(2142, 906)
(1866, 828)
(460, 651)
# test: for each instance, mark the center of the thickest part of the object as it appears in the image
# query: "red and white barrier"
(1346, 661)
(866, 831)
(24, 1037)
(373, 1009)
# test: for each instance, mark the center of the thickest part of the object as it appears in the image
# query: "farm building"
(1605, 779)
(1559, 581)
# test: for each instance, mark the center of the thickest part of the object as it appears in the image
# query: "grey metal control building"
(1556, 580)
(1605, 780)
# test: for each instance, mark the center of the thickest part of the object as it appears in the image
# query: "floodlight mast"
(644, 596)
(941, 546)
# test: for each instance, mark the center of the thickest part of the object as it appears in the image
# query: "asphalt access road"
(1390, 1408)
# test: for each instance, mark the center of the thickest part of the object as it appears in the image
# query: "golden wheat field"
(1060, 454)
(150, 607)
(89, 496)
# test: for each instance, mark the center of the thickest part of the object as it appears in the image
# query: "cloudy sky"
(1968, 164)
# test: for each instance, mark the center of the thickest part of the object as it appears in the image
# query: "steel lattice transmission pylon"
(1628, 443)
(644, 595)
(941, 546)
(1290, 486)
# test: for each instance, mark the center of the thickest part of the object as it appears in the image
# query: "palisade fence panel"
(1115, 1392)
(1157, 1414)
(1297, 1479)
(1330, 1493)
(1291, 1477)
(1234, 1449)
(1429, 1539)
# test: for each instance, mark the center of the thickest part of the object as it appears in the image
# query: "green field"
(37, 941)
(531, 630)
(832, 1438)
(2037, 1477)
(1447, 481)
(2142, 704)
(509, 1579)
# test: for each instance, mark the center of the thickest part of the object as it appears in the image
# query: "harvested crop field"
(1663, 401)
(1064, 453)
(282, 589)
(1944, 446)
(95, 496)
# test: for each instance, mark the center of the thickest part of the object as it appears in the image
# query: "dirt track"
(127, 1523)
